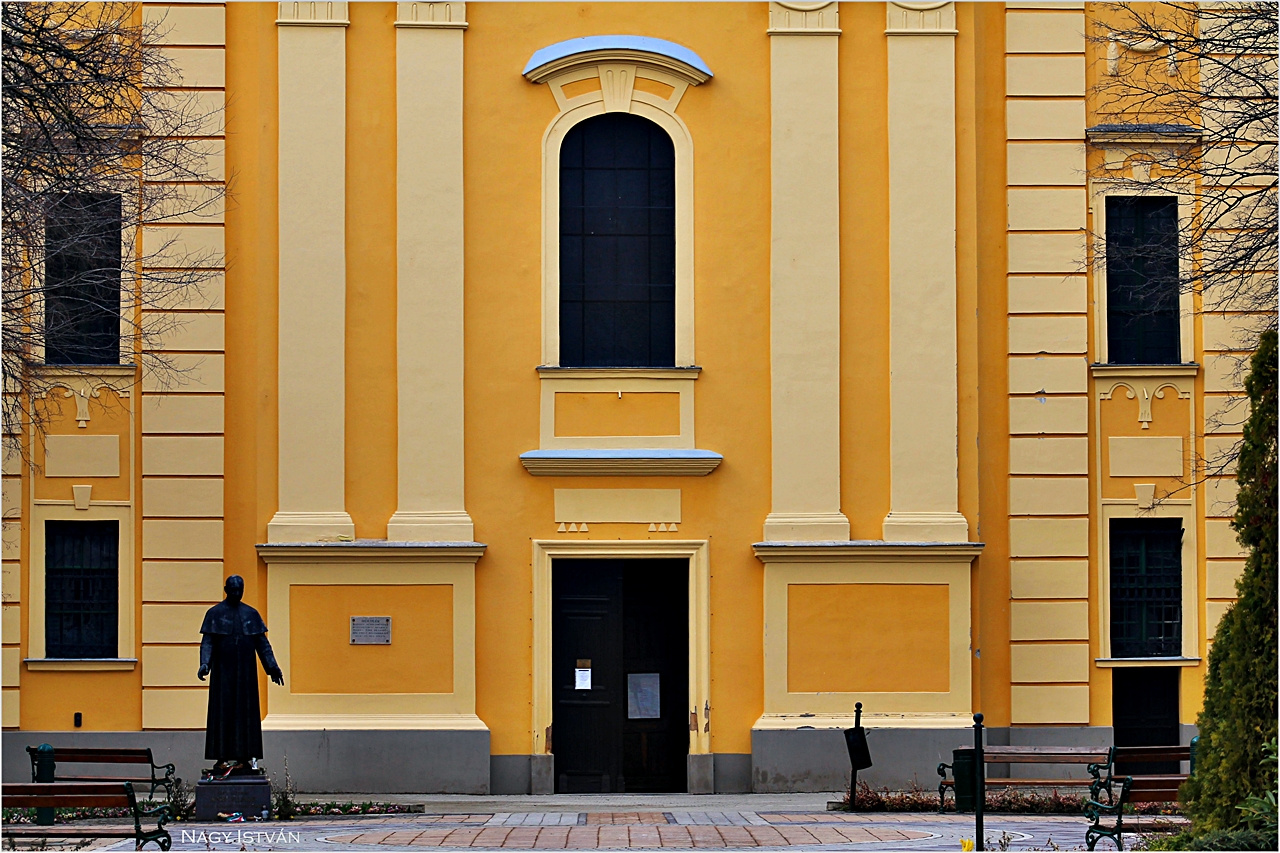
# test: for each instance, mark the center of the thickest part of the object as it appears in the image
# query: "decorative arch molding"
(1144, 394)
(601, 74)
(651, 57)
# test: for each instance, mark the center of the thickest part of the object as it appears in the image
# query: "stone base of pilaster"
(926, 527)
(406, 526)
(311, 527)
(806, 527)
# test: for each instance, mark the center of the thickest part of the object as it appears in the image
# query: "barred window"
(81, 568)
(617, 244)
(1146, 587)
(1142, 280)
(82, 280)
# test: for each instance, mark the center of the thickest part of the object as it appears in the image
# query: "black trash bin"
(962, 772)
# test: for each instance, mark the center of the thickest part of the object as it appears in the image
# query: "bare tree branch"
(98, 142)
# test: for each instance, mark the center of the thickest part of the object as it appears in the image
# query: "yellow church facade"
(607, 397)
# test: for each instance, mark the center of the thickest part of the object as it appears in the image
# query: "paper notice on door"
(644, 699)
(582, 678)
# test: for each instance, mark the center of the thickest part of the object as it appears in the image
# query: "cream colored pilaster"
(312, 402)
(922, 274)
(805, 274)
(429, 273)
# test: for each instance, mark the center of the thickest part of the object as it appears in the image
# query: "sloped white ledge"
(643, 462)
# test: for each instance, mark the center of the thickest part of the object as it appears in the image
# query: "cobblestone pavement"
(637, 829)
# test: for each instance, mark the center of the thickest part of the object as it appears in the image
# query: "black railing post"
(853, 781)
(45, 772)
(979, 781)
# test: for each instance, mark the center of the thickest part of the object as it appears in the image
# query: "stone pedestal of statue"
(248, 793)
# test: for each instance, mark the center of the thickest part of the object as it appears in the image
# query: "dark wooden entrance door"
(1144, 712)
(620, 658)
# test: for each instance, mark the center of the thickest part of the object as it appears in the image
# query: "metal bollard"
(45, 772)
(979, 781)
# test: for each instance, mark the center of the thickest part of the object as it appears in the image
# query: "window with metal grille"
(81, 565)
(1142, 280)
(1146, 587)
(617, 244)
(82, 280)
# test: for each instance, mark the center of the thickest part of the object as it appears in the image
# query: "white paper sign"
(582, 679)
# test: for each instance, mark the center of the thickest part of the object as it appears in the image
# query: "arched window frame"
(593, 76)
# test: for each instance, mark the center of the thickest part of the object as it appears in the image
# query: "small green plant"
(1259, 810)
(284, 799)
(182, 803)
(1001, 843)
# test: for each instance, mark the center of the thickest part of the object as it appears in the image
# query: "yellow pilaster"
(429, 280)
(922, 275)
(804, 305)
(312, 223)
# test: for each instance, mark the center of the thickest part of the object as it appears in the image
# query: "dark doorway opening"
(620, 675)
(1144, 709)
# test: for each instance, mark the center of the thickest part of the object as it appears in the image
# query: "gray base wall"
(721, 773)
(813, 760)
(382, 762)
(374, 762)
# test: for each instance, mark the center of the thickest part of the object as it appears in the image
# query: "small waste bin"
(962, 772)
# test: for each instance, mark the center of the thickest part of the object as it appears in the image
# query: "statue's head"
(234, 589)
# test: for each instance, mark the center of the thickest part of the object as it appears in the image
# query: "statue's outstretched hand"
(204, 671)
(277, 676)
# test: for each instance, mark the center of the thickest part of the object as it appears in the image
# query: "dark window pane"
(1146, 588)
(82, 280)
(617, 244)
(81, 565)
(1142, 280)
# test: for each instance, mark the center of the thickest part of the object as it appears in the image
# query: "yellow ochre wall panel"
(1129, 448)
(619, 413)
(51, 699)
(108, 418)
(505, 118)
(418, 660)
(851, 638)
(251, 300)
(864, 269)
(370, 427)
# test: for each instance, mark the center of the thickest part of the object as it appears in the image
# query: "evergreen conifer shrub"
(1239, 716)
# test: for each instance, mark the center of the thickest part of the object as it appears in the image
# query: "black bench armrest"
(166, 780)
(943, 769)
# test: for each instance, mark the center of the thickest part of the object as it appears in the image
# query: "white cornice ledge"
(866, 550)
(656, 462)
(370, 551)
(658, 54)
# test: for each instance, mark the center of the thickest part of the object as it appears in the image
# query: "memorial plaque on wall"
(370, 630)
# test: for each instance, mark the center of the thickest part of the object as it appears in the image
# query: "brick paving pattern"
(636, 829)
(633, 830)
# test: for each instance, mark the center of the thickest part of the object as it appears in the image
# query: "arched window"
(617, 244)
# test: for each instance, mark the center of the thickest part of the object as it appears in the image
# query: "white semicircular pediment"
(642, 51)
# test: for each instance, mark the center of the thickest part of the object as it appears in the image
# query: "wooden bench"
(1087, 755)
(85, 795)
(1120, 789)
(161, 775)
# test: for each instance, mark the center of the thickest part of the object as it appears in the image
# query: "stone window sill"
(1123, 662)
(81, 664)
(1118, 371)
(638, 462)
